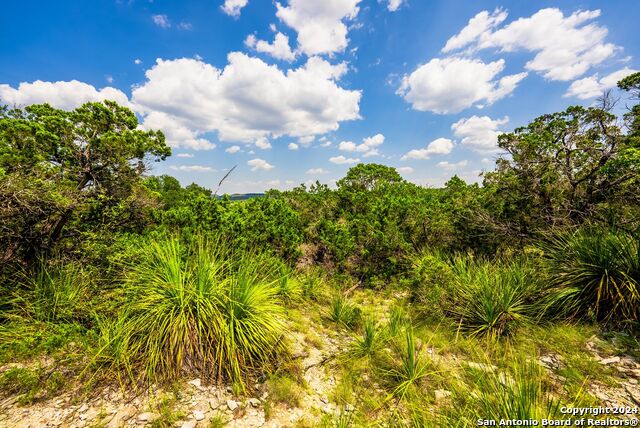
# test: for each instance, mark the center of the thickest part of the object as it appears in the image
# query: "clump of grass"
(54, 294)
(195, 310)
(369, 342)
(594, 273)
(22, 382)
(411, 368)
(494, 298)
(285, 390)
(344, 312)
(398, 320)
(289, 288)
(518, 394)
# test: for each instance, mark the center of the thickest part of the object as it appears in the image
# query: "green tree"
(80, 167)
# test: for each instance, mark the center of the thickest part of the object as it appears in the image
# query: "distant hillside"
(243, 196)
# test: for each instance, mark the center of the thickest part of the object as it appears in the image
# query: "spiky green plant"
(398, 320)
(494, 298)
(594, 273)
(519, 393)
(54, 294)
(367, 344)
(289, 287)
(344, 312)
(412, 368)
(196, 309)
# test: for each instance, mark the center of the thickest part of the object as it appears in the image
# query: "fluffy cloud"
(247, 100)
(258, 163)
(341, 160)
(233, 149)
(453, 166)
(565, 47)
(292, 146)
(161, 21)
(440, 146)
(479, 133)
(451, 85)
(191, 168)
(591, 87)
(405, 169)
(263, 144)
(319, 24)
(184, 155)
(478, 26)
(279, 49)
(63, 95)
(394, 5)
(233, 7)
(369, 146)
(137, 61)
(306, 140)
(317, 171)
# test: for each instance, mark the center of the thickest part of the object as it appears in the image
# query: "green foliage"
(196, 309)
(432, 285)
(406, 375)
(344, 312)
(369, 342)
(494, 299)
(594, 273)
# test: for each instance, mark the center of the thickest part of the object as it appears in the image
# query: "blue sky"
(299, 90)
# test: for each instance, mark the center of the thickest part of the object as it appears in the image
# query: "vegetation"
(438, 306)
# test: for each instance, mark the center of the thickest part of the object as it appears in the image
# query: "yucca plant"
(367, 344)
(493, 299)
(344, 312)
(405, 375)
(289, 287)
(593, 273)
(519, 393)
(197, 309)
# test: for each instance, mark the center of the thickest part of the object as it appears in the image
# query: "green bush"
(200, 309)
(594, 274)
(493, 299)
(432, 285)
(344, 312)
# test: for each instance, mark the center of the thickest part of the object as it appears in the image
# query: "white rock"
(254, 402)
(189, 424)
(611, 360)
(232, 405)
(146, 417)
(198, 415)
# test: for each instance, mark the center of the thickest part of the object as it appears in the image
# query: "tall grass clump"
(594, 273)
(409, 370)
(54, 294)
(520, 393)
(343, 311)
(197, 310)
(493, 299)
(369, 342)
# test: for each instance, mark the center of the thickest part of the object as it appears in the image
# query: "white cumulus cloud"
(592, 86)
(453, 166)
(247, 100)
(261, 164)
(317, 171)
(439, 146)
(451, 85)
(293, 146)
(232, 149)
(369, 146)
(263, 144)
(564, 47)
(279, 49)
(233, 7)
(405, 169)
(479, 133)
(161, 21)
(319, 24)
(63, 95)
(394, 5)
(185, 155)
(341, 160)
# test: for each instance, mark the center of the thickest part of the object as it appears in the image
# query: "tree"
(563, 168)
(60, 167)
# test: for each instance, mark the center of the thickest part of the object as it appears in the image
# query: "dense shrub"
(594, 274)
